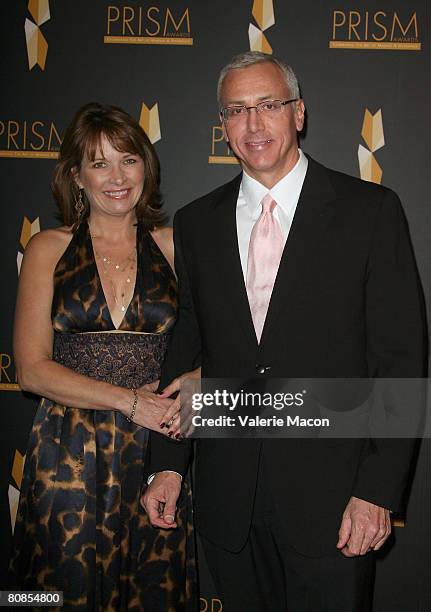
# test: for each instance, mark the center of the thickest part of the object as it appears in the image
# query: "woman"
(96, 302)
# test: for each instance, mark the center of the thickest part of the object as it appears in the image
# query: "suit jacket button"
(261, 369)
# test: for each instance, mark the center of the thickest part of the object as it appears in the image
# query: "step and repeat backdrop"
(364, 72)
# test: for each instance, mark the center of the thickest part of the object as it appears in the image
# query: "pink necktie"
(264, 254)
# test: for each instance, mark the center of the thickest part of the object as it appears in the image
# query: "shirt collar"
(283, 192)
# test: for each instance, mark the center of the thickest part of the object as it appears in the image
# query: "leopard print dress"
(80, 528)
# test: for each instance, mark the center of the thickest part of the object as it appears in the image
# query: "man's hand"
(160, 498)
(364, 527)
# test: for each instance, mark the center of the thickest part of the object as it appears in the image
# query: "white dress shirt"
(286, 193)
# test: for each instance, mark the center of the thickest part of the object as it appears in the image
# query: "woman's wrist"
(124, 400)
(131, 416)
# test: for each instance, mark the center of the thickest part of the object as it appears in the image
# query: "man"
(289, 524)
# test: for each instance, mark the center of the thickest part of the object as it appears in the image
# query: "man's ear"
(75, 175)
(299, 115)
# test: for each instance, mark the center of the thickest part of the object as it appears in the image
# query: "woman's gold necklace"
(127, 264)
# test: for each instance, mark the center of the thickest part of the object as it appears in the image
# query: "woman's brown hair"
(83, 137)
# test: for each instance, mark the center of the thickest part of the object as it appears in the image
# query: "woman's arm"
(33, 342)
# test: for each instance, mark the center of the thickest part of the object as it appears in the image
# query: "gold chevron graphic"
(263, 12)
(13, 495)
(372, 130)
(37, 47)
(39, 10)
(29, 229)
(258, 40)
(13, 491)
(150, 122)
(373, 135)
(17, 468)
(368, 166)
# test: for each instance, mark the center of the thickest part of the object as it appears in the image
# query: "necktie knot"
(268, 203)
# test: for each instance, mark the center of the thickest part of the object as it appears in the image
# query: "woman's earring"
(79, 205)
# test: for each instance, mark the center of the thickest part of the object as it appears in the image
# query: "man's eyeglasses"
(268, 107)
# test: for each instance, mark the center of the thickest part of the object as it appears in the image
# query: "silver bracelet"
(134, 405)
(152, 476)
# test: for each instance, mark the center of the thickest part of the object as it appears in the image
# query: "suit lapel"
(312, 217)
(229, 262)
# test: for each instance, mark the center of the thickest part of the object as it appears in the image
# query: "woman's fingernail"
(162, 424)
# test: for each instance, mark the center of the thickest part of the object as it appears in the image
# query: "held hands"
(171, 419)
(160, 498)
(150, 408)
(364, 527)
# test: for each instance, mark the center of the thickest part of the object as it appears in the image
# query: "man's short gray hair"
(250, 58)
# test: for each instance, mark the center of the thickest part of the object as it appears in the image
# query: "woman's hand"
(150, 408)
(171, 419)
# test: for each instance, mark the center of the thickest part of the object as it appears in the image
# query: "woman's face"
(113, 181)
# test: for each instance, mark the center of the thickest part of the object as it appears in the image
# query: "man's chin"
(258, 163)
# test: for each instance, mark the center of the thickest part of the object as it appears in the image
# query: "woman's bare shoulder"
(48, 245)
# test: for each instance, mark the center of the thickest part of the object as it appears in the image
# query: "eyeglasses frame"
(248, 108)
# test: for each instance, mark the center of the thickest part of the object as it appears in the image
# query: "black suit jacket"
(346, 303)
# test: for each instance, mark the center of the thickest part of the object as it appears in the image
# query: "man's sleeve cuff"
(152, 476)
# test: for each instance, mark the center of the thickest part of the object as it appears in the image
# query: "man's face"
(266, 145)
